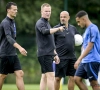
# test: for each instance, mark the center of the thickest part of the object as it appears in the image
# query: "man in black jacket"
(46, 46)
(65, 44)
(9, 62)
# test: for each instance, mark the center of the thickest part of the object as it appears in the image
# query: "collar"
(44, 19)
(12, 20)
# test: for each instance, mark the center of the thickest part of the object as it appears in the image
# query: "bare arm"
(56, 58)
(21, 49)
(86, 51)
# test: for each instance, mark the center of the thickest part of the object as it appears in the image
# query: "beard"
(62, 23)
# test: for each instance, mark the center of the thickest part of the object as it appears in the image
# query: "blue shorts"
(88, 70)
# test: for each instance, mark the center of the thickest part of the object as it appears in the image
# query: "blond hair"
(45, 4)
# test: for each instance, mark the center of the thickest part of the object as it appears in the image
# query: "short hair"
(45, 4)
(9, 4)
(81, 14)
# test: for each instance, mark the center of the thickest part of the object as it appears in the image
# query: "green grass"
(31, 87)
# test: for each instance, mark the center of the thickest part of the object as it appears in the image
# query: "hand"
(23, 51)
(77, 64)
(57, 60)
(61, 28)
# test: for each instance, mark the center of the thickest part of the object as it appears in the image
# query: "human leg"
(15, 67)
(50, 80)
(57, 83)
(93, 69)
(95, 85)
(47, 77)
(60, 71)
(71, 83)
(19, 79)
(3, 70)
(79, 75)
(2, 78)
(43, 82)
(80, 83)
(70, 72)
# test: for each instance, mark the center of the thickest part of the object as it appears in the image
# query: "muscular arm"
(86, 51)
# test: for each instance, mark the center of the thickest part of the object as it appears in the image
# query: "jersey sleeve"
(93, 33)
(7, 31)
(42, 28)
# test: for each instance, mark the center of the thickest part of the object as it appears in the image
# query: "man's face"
(46, 12)
(80, 22)
(12, 12)
(64, 18)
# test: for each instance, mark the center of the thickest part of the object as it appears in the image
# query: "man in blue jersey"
(88, 62)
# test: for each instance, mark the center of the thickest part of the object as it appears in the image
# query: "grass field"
(31, 87)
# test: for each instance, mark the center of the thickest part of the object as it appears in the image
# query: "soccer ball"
(78, 39)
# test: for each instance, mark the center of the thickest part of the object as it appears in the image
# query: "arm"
(44, 30)
(7, 30)
(56, 58)
(21, 49)
(16, 45)
(86, 51)
(53, 30)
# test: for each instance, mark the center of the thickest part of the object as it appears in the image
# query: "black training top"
(45, 40)
(7, 37)
(65, 42)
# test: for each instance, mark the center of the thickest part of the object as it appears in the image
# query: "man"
(46, 47)
(65, 43)
(89, 60)
(9, 62)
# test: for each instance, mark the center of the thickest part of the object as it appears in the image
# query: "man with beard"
(65, 44)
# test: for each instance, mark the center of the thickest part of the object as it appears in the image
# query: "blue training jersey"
(92, 35)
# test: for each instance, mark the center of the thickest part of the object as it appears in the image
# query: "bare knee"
(50, 76)
(95, 85)
(57, 79)
(71, 78)
(77, 80)
(3, 76)
(19, 73)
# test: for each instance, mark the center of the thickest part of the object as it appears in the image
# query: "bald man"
(88, 63)
(64, 42)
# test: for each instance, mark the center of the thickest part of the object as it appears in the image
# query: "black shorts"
(88, 70)
(9, 64)
(65, 68)
(46, 63)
